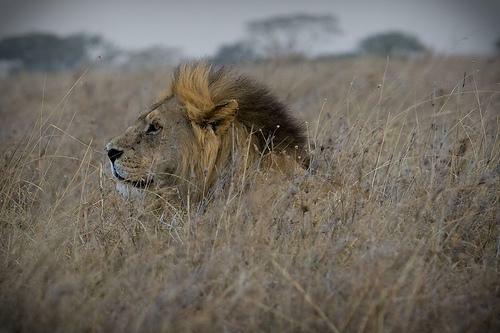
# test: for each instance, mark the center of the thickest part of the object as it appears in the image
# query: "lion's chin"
(140, 184)
(129, 191)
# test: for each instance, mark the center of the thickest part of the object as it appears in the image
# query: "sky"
(200, 27)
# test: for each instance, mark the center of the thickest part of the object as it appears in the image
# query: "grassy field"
(395, 228)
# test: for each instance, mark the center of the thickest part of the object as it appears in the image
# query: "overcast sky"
(200, 27)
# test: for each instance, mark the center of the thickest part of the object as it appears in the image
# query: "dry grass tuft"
(394, 228)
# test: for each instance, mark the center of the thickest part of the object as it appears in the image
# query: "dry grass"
(395, 227)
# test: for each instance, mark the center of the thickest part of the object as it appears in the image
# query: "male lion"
(209, 119)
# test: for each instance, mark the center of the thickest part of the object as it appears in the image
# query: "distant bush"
(43, 51)
(392, 43)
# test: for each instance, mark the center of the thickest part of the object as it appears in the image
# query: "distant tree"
(497, 45)
(291, 35)
(391, 43)
(42, 51)
(235, 53)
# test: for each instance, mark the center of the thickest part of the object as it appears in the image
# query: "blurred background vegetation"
(274, 37)
(293, 36)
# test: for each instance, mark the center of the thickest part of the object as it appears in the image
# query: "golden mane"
(230, 113)
(191, 85)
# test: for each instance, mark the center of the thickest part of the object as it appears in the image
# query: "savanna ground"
(394, 227)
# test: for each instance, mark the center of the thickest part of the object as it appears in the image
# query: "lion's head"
(209, 117)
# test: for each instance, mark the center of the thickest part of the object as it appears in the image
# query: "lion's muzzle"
(113, 155)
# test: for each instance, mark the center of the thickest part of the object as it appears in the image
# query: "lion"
(210, 119)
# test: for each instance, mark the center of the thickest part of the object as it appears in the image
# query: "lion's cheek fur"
(209, 154)
(198, 158)
(134, 168)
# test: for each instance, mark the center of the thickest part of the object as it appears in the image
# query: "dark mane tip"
(260, 110)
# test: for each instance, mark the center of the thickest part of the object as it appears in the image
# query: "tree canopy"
(291, 34)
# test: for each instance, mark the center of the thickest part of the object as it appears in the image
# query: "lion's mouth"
(142, 184)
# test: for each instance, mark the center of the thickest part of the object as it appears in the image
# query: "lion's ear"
(221, 116)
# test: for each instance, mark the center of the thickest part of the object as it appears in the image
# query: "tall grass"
(393, 228)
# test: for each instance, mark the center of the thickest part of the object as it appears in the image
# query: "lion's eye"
(153, 128)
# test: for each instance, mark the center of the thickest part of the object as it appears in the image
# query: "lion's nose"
(113, 154)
